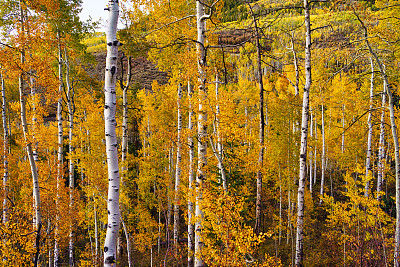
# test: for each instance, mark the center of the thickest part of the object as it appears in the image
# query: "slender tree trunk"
(191, 182)
(178, 170)
(35, 177)
(110, 243)
(49, 245)
(381, 154)
(71, 165)
(60, 152)
(315, 147)
(128, 243)
(5, 151)
(296, 67)
(96, 234)
(159, 228)
(321, 193)
(257, 226)
(368, 167)
(169, 201)
(343, 129)
(202, 131)
(303, 146)
(124, 147)
(218, 152)
(34, 119)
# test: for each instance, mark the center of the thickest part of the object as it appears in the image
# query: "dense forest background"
(262, 133)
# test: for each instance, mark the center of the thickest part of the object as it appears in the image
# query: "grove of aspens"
(200, 133)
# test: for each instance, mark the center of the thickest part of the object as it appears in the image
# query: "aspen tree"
(381, 152)
(218, 150)
(296, 65)
(124, 143)
(343, 129)
(124, 146)
(178, 168)
(368, 167)
(110, 243)
(191, 180)
(71, 166)
(201, 128)
(28, 143)
(304, 132)
(128, 243)
(60, 151)
(261, 125)
(5, 150)
(321, 193)
(315, 148)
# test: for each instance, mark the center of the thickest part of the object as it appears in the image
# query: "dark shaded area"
(144, 72)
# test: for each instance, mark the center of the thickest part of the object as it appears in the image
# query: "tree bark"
(321, 193)
(368, 167)
(343, 129)
(128, 243)
(381, 153)
(60, 151)
(5, 151)
(218, 151)
(191, 181)
(303, 145)
(315, 147)
(178, 169)
(202, 131)
(71, 165)
(110, 243)
(124, 147)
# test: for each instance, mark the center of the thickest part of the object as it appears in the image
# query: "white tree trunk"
(315, 147)
(169, 201)
(178, 169)
(296, 67)
(368, 167)
(96, 233)
(34, 119)
(110, 243)
(35, 177)
(71, 165)
(321, 193)
(191, 181)
(128, 243)
(303, 145)
(202, 130)
(381, 153)
(60, 152)
(218, 151)
(124, 147)
(343, 124)
(5, 151)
